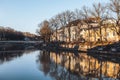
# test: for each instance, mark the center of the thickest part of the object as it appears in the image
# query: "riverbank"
(20, 45)
(84, 46)
(110, 48)
(105, 48)
(57, 47)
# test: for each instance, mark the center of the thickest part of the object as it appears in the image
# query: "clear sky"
(25, 15)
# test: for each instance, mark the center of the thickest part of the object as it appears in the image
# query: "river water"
(45, 65)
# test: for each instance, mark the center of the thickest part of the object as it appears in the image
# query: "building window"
(114, 67)
(107, 34)
(107, 65)
(113, 33)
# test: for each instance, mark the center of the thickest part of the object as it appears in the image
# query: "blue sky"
(25, 15)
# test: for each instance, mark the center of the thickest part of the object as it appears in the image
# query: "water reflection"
(48, 65)
(106, 57)
(10, 53)
(74, 66)
(44, 59)
(20, 64)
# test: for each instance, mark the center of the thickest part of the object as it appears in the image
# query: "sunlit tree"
(45, 31)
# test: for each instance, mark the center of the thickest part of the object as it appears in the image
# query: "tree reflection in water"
(11, 53)
(8, 56)
(44, 59)
(74, 66)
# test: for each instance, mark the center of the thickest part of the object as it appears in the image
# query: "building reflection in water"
(74, 66)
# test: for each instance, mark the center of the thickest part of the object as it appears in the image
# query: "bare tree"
(61, 22)
(63, 19)
(114, 6)
(53, 22)
(77, 13)
(69, 17)
(85, 13)
(97, 12)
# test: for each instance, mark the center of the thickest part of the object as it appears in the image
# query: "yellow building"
(89, 32)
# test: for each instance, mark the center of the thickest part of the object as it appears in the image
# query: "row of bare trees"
(7, 33)
(98, 11)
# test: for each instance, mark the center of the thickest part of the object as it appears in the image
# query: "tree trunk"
(56, 34)
(69, 31)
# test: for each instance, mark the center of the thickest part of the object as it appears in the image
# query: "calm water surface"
(43, 65)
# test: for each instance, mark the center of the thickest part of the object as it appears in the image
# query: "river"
(35, 64)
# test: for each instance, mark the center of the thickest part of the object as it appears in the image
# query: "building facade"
(89, 32)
